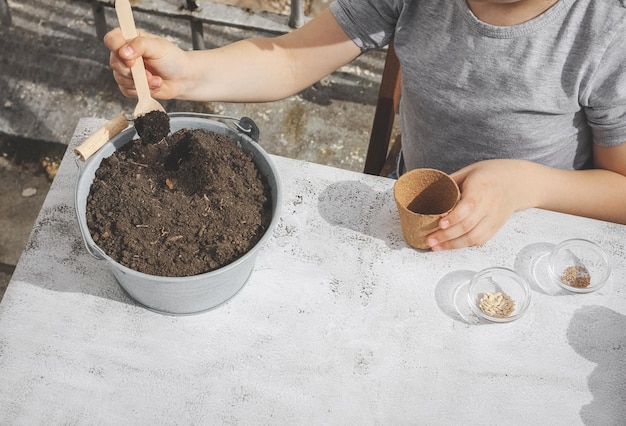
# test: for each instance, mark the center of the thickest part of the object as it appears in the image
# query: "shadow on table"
(356, 206)
(56, 259)
(451, 295)
(598, 334)
(532, 264)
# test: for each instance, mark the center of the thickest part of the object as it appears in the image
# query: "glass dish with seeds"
(498, 295)
(579, 266)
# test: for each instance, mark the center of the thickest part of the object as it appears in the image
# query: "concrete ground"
(54, 70)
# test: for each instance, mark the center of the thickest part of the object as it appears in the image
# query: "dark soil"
(152, 126)
(190, 204)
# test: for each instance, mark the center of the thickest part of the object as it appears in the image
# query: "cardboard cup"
(423, 196)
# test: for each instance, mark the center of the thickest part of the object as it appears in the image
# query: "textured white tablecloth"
(340, 323)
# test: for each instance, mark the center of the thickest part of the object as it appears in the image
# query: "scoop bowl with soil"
(180, 222)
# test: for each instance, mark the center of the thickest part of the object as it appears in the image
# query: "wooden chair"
(381, 158)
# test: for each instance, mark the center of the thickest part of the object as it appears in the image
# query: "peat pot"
(198, 293)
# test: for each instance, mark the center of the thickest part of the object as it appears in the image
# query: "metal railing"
(5, 13)
(200, 12)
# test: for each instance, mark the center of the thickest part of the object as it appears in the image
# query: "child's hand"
(165, 63)
(491, 191)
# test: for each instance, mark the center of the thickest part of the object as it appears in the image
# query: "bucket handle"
(247, 126)
(244, 125)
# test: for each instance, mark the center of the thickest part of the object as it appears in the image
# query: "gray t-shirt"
(542, 90)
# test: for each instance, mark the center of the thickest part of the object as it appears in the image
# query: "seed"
(498, 305)
(576, 276)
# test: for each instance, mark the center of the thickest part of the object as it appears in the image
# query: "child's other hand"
(164, 63)
(491, 191)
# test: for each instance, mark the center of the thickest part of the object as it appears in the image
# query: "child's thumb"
(127, 52)
(140, 46)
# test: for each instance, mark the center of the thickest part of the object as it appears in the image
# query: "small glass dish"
(579, 266)
(499, 280)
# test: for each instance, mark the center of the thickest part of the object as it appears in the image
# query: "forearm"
(596, 193)
(256, 70)
(268, 69)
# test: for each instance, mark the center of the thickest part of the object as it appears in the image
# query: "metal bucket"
(198, 293)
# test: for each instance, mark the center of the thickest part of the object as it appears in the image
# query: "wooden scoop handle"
(101, 136)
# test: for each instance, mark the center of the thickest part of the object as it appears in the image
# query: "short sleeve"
(605, 98)
(369, 23)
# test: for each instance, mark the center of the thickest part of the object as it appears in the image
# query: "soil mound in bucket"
(190, 204)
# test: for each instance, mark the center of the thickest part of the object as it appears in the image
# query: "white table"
(340, 323)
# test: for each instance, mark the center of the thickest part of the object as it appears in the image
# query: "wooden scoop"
(145, 102)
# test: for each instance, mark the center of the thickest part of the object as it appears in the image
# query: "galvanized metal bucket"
(199, 293)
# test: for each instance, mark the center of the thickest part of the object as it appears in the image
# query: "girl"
(522, 101)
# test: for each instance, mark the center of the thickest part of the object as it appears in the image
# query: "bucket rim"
(120, 140)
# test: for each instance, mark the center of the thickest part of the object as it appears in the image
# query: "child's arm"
(253, 70)
(492, 190)
(599, 193)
